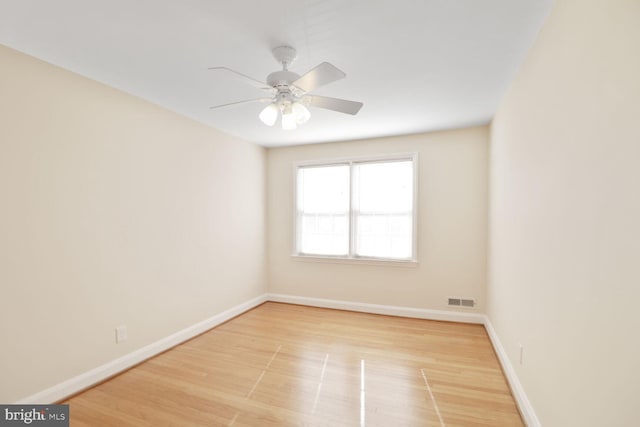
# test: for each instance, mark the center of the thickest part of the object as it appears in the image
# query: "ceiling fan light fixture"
(269, 114)
(301, 113)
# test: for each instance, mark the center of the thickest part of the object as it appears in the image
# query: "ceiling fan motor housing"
(282, 78)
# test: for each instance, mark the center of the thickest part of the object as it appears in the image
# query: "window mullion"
(352, 213)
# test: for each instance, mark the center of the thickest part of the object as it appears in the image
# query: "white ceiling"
(417, 65)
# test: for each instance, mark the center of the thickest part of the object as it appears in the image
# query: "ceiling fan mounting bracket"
(284, 55)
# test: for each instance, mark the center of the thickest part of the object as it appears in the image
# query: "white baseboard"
(85, 380)
(390, 310)
(526, 409)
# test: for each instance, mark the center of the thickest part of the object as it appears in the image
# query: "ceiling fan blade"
(242, 102)
(321, 75)
(245, 78)
(335, 104)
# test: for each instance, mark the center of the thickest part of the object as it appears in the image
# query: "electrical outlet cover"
(121, 333)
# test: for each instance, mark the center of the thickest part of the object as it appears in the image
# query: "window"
(357, 209)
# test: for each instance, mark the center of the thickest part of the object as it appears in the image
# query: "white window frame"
(351, 257)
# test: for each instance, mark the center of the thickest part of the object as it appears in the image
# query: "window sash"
(356, 244)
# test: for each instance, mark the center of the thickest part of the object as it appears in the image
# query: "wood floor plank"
(287, 365)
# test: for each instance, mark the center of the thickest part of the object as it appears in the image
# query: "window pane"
(383, 209)
(323, 210)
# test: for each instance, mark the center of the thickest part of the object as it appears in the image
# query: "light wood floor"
(288, 365)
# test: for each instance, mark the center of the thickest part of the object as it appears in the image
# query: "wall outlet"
(521, 354)
(121, 333)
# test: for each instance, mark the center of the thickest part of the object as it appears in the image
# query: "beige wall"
(565, 216)
(113, 211)
(451, 226)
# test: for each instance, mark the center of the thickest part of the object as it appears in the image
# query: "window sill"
(355, 261)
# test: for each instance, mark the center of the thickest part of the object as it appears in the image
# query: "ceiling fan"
(289, 92)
